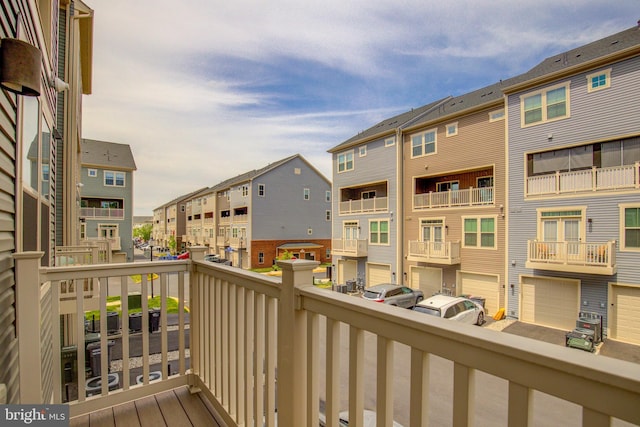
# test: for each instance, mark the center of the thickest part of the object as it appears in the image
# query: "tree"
(172, 244)
(143, 231)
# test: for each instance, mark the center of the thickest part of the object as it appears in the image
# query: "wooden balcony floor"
(174, 408)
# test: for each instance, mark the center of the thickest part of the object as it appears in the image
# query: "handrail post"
(292, 343)
(27, 268)
(196, 253)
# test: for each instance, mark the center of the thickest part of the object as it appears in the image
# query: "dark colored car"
(388, 293)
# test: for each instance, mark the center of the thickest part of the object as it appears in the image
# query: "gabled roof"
(386, 126)
(603, 51)
(181, 198)
(248, 176)
(106, 155)
(465, 103)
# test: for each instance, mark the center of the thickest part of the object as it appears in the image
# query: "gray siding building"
(574, 188)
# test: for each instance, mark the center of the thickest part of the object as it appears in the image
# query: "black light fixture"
(20, 66)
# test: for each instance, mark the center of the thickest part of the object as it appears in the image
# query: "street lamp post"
(240, 254)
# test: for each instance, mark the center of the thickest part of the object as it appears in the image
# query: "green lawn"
(113, 304)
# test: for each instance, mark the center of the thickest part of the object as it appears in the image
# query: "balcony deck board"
(173, 408)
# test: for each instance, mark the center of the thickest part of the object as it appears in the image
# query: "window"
(630, 227)
(83, 230)
(307, 194)
(480, 232)
(328, 215)
(389, 142)
(327, 196)
(261, 190)
(448, 185)
(345, 162)
(559, 225)
(92, 173)
(260, 257)
(113, 179)
(496, 115)
(599, 80)
(452, 129)
(297, 171)
(371, 194)
(309, 231)
(363, 151)
(350, 231)
(108, 231)
(379, 232)
(182, 208)
(544, 106)
(245, 190)
(423, 143)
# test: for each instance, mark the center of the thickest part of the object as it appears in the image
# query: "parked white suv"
(455, 308)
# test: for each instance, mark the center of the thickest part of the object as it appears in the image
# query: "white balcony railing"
(595, 179)
(375, 204)
(454, 198)
(110, 213)
(434, 252)
(585, 257)
(245, 327)
(350, 247)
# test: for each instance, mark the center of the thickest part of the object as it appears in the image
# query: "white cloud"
(205, 90)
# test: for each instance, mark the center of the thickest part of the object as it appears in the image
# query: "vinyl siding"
(479, 144)
(283, 214)
(377, 166)
(607, 114)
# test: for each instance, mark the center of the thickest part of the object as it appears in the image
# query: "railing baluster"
(249, 356)
(164, 337)
(124, 305)
(259, 358)
(224, 394)
(419, 395)
(356, 376)
(241, 333)
(104, 360)
(145, 328)
(384, 390)
(217, 340)
(181, 326)
(462, 392)
(332, 407)
(271, 325)
(519, 405)
(313, 369)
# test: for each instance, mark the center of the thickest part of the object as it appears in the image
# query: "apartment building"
(366, 202)
(453, 198)
(170, 222)
(574, 187)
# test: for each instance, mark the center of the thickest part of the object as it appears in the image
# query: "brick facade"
(269, 249)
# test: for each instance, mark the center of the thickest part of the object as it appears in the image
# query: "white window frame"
(327, 196)
(478, 219)
(423, 145)
(327, 215)
(306, 194)
(92, 173)
(451, 129)
(582, 231)
(115, 178)
(607, 75)
(544, 105)
(496, 115)
(389, 142)
(260, 257)
(262, 190)
(245, 190)
(83, 231)
(113, 234)
(362, 151)
(623, 243)
(379, 221)
(343, 159)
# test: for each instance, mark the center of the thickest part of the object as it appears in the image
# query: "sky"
(204, 90)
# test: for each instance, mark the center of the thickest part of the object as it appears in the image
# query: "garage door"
(623, 314)
(481, 285)
(427, 279)
(549, 302)
(378, 273)
(347, 270)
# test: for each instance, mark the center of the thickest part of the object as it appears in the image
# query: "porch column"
(196, 253)
(292, 343)
(27, 270)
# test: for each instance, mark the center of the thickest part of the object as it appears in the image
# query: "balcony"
(376, 204)
(350, 247)
(454, 198)
(573, 257)
(446, 253)
(588, 180)
(102, 213)
(245, 327)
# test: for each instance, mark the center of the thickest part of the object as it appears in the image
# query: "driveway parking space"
(609, 348)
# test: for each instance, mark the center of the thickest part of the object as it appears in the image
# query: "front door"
(432, 235)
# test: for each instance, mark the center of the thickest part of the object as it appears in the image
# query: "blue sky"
(205, 90)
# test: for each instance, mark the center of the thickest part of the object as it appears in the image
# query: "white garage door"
(481, 285)
(378, 273)
(347, 270)
(427, 279)
(623, 314)
(550, 302)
